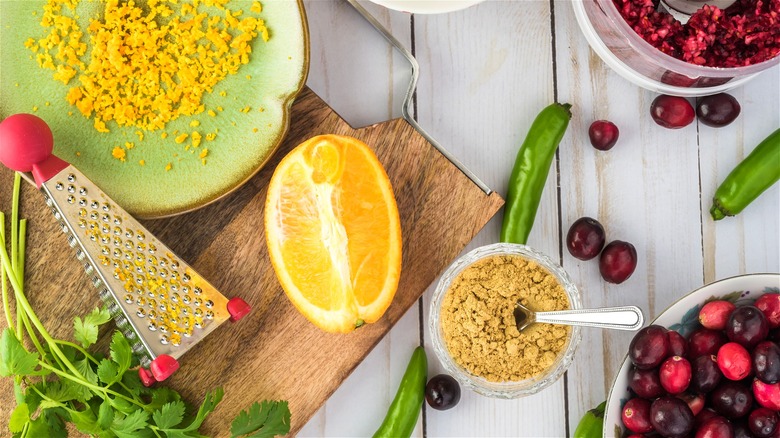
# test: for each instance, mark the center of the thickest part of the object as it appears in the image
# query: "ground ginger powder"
(479, 325)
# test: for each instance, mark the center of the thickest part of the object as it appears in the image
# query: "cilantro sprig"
(58, 381)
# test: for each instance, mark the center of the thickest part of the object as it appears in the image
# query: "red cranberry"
(734, 361)
(766, 362)
(705, 342)
(678, 346)
(731, 399)
(703, 416)
(636, 415)
(715, 427)
(767, 394)
(675, 374)
(617, 262)
(603, 134)
(715, 314)
(769, 305)
(763, 422)
(706, 374)
(649, 347)
(717, 110)
(585, 239)
(671, 416)
(671, 112)
(694, 401)
(747, 325)
(645, 383)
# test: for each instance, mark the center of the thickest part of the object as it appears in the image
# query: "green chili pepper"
(756, 173)
(402, 415)
(530, 171)
(592, 423)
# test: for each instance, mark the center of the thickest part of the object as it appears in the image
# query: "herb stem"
(34, 339)
(95, 388)
(79, 348)
(4, 280)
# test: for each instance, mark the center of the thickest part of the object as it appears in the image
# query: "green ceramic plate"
(278, 71)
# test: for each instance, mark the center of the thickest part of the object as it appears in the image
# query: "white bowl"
(427, 6)
(683, 317)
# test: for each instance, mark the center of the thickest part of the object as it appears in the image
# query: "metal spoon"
(619, 318)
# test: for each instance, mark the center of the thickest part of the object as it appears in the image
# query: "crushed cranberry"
(746, 33)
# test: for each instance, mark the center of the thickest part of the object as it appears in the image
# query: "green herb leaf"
(162, 395)
(133, 383)
(14, 359)
(120, 352)
(19, 417)
(85, 330)
(266, 419)
(130, 423)
(210, 402)
(48, 424)
(169, 415)
(122, 405)
(85, 368)
(85, 421)
(107, 372)
(105, 415)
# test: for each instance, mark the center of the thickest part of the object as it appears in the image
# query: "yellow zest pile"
(149, 62)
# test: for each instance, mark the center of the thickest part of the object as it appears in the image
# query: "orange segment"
(333, 232)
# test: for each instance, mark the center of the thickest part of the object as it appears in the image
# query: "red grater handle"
(26, 145)
(237, 308)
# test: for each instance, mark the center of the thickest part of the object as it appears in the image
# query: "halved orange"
(333, 232)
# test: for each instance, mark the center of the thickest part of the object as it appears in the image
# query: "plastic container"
(480, 385)
(630, 56)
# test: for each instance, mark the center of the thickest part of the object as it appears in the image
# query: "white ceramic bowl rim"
(764, 279)
(427, 6)
(480, 385)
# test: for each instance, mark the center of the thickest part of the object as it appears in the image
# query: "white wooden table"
(485, 74)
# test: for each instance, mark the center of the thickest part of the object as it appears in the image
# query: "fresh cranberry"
(766, 362)
(731, 399)
(767, 394)
(617, 262)
(636, 415)
(705, 374)
(645, 383)
(671, 416)
(675, 374)
(585, 239)
(678, 346)
(649, 347)
(734, 361)
(603, 134)
(672, 112)
(715, 314)
(703, 416)
(769, 305)
(705, 342)
(747, 325)
(694, 401)
(763, 422)
(715, 427)
(717, 110)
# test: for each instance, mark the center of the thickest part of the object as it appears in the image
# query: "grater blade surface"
(158, 301)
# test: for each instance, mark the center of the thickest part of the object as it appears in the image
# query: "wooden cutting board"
(274, 353)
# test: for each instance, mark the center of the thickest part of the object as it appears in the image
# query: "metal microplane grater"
(159, 302)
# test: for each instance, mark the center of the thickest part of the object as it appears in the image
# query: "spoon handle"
(620, 318)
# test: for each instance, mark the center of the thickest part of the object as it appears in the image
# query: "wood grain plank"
(748, 242)
(273, 350)
(378, 69)
(644, 191)
(481, 85)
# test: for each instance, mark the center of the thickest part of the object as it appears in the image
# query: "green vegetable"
(756, 173)
(61, 381)
(530, 171)
(402, 415)
(592, 423)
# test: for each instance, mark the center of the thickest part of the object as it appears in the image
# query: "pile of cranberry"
(747, 32)
(722, 381)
